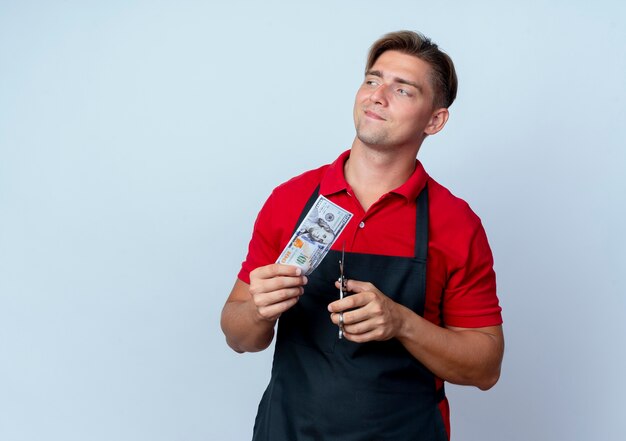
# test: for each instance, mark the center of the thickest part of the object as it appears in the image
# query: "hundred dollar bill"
(315, 235)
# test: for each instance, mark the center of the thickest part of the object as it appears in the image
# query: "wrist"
(406, 320)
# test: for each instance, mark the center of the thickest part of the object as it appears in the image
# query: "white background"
(139, 139)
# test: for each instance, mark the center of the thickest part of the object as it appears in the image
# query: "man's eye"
(403, 92)
(371, 82)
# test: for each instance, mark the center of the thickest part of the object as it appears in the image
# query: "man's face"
(394, 105)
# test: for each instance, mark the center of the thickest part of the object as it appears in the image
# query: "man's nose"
(379, 95)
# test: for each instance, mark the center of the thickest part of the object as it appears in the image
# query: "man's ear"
(438, 119)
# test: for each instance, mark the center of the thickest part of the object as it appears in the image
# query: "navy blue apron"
(323, 388)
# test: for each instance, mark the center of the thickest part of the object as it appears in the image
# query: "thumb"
(356, 286)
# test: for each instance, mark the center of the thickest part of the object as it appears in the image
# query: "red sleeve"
(277, 219)
(470, 299)
(263, 248)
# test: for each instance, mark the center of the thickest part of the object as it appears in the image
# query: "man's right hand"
(275, 288)
(251, 310)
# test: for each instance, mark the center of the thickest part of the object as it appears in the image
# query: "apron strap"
(440, 394)
(421, 226)
(307, 207)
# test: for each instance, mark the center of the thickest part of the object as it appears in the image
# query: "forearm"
(245, 331)
(457, 355)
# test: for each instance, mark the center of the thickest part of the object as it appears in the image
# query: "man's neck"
(373, 172)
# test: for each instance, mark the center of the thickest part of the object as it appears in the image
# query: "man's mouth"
(373, 115)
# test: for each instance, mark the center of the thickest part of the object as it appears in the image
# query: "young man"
(423, 306)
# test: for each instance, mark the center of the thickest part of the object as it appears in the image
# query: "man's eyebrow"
(375, 73)
(378, 73)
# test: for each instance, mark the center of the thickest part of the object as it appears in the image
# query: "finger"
(373, 335)
(272, 312)
(371, 329)
(362, 327)
(276, 283)
(275, 270)
(357, 286)
(351, 302)
(351, 317)
(334, 317)
(270, 298)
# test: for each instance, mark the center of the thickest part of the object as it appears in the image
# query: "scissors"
(342, 281)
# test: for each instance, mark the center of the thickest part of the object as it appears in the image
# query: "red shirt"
(460, 281)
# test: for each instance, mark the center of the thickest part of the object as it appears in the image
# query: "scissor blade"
(341, 282)
(341, 267)
(343, 259)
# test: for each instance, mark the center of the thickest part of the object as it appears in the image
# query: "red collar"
(334, 180)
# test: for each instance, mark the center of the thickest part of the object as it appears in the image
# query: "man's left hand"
(368, 314)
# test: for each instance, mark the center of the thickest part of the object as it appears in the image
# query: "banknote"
(313, 238)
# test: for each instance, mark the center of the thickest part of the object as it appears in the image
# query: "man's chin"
(377, 143)
(372, 139)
